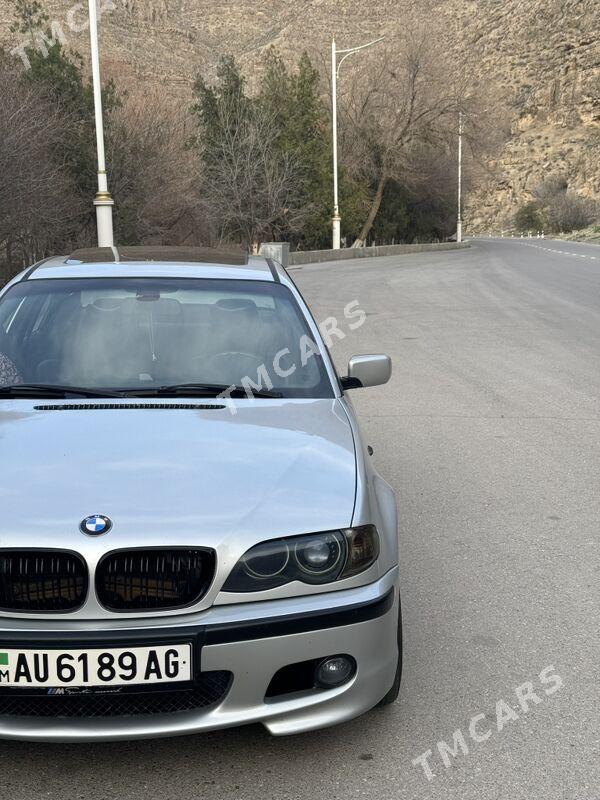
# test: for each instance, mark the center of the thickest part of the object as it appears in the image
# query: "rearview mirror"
(367, 371)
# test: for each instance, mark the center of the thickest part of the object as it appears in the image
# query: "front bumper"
(252, 641)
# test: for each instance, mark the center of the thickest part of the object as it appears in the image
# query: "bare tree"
(154, 176)
(403, 100)
(252, 184)
(39, 208)
(252, 187)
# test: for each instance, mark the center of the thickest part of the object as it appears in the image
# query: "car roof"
(157, 262)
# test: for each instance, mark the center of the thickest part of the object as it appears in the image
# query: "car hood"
(173, 476)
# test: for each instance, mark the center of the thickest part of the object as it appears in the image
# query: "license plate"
(123, 666)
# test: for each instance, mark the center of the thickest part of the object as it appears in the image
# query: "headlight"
(320, 557)
(314, 559)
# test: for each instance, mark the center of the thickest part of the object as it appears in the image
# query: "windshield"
(140, 333)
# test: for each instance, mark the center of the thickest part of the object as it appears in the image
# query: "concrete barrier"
(319, 256)
(279, 251)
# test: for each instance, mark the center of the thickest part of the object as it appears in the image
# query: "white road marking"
(559, 252)
(554, 250)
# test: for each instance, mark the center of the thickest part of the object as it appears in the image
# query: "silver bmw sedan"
(192, 533)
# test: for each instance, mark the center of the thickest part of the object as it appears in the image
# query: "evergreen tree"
(294, 100)
(306, 132)
(290, 108)
(253, 182)
(221, 109)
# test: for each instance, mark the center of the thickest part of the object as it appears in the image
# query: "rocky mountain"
(543, 54)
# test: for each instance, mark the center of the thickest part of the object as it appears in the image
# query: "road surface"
(490, 434)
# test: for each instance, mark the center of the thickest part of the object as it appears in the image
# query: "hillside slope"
(544, 53)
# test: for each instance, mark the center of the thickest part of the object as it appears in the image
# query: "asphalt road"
(490, 434)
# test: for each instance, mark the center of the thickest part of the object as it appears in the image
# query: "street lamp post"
(103, 200)
(335, 74)
(459, 221)
(336, 220)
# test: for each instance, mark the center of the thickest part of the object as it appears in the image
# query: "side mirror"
(367, 371)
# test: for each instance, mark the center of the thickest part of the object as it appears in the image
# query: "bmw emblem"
(95, 525)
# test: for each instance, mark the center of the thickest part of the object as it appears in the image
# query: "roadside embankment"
(589, 235)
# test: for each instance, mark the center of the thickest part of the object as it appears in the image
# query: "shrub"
(563, 210)
(529, 217)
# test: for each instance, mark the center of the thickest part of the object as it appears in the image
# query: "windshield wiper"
(24, 390)
(201, 390)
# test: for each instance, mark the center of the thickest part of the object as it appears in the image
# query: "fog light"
(334, 671)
